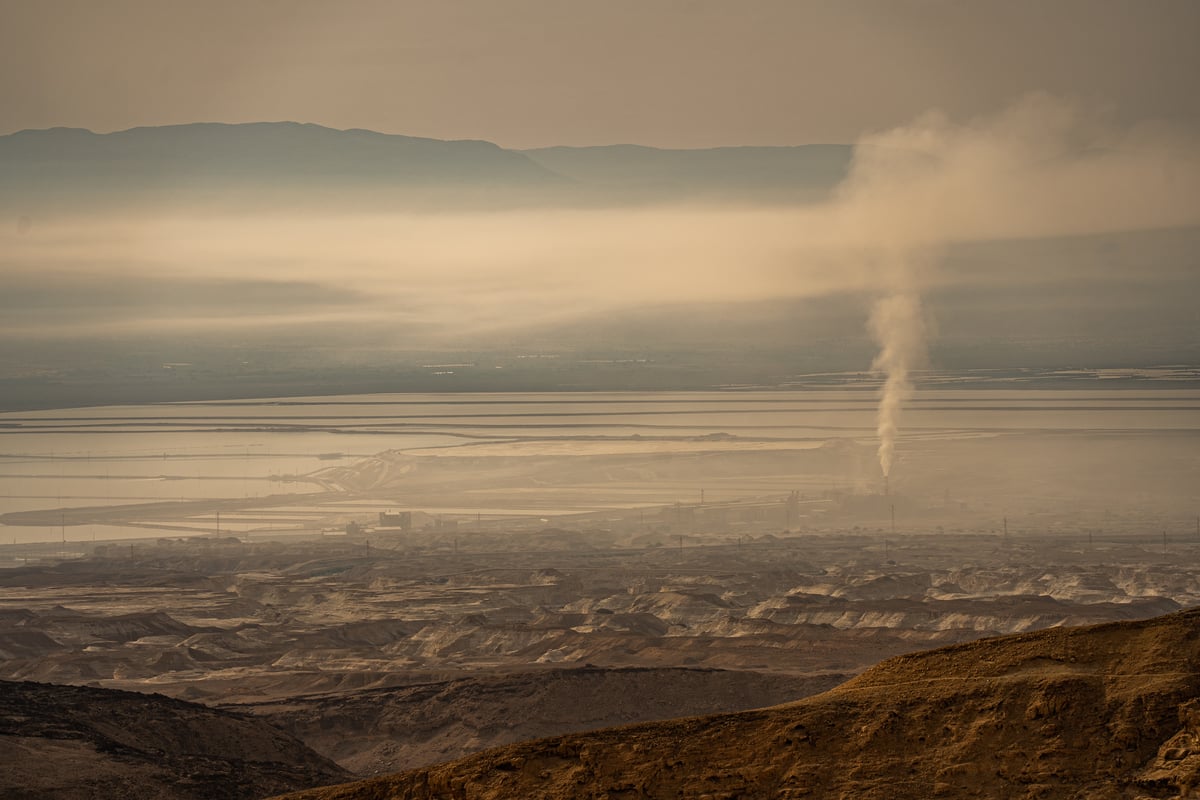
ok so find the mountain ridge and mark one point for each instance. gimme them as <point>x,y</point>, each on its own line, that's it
<point>185,160</point>
<point>254,153</point>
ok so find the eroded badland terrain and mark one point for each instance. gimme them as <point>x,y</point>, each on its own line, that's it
<point>308,661</point>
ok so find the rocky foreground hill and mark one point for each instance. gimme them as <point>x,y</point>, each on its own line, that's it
<point>1109,711</point>
<point>81,743</point>
<point>389,729</point>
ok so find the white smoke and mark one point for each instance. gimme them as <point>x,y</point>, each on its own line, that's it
<point>898,326</point>
<point>1040,168</point>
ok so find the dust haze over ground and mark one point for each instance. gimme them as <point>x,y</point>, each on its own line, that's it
<point>193,258</point>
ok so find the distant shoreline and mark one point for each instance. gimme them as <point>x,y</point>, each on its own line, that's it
<point>25,396</point>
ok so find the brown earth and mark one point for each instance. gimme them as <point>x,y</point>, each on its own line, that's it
<point>386,730</point>
<point>429,645</point>
<point>1105,712</point>
<point>81,743</point>
<point>222,621</point>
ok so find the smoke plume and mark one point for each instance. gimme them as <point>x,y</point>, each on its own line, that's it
<point>897,325</point>
<point>1041,168</point>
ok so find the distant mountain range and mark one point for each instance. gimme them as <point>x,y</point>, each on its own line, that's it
<point>198,159</point>
<point>786,170</point>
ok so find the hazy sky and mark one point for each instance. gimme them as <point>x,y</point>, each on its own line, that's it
<point>527,73</point>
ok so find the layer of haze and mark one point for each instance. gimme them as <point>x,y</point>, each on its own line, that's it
<point>1040,169</point>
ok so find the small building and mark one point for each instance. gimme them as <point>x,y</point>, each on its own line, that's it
<point>395,519</point>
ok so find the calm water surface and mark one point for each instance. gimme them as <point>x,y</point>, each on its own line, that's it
<point>236,449</point>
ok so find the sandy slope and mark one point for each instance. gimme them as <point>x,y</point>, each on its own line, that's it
<point>1110,711</point>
